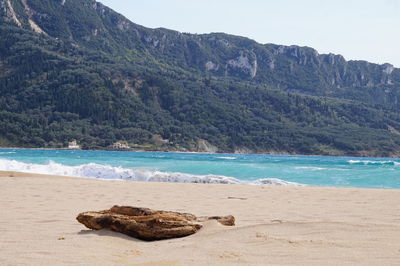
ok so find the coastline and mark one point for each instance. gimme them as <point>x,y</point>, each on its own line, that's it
<point>275,225</point>
<point>209,168</point>
<point>272,153</point>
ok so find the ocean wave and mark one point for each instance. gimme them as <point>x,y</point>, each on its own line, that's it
<point>312,168</point>
<point>227,158</point>
<point>7,152</point>
<point>367,162</point>
<point>275,182</point>
<point>99,171</point>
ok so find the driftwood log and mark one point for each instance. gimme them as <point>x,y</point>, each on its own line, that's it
<point>147,224</point>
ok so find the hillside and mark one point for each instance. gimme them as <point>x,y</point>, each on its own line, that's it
<point>75,69</point>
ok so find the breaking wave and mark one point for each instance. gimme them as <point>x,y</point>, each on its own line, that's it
<point>312,168</point>
<point>366,162</point>
<point>227,158</point>
<point>99,171</point>
<point>275,182</point>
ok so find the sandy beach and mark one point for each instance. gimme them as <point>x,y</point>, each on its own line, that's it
<point>275,225</point>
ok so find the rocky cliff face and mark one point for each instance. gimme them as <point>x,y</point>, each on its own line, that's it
<point>8,13</point>
<point>286,67</point>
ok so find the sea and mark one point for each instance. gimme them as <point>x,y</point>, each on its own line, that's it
<point>252,169</point>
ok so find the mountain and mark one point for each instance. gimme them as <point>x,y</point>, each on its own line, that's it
<point>75,69</point>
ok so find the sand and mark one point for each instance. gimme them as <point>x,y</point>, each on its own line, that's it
<point>275,225</point>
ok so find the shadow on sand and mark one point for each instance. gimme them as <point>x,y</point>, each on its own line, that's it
<point>107,233</point>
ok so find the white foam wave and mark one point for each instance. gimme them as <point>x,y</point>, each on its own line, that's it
<point>93,170</point>
<point>275,182</point>
<point>312,168</point>
<point>7,152</point>
<point>367,162</point>
<point>227,158</point>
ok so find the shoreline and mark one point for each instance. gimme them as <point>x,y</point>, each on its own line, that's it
<point>211,153</point>
<point>274,225</point>
<point>291,184</point>
<point>28,174</point>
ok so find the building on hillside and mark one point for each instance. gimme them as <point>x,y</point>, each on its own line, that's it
<point>73,145</point>
<point>120,145</point>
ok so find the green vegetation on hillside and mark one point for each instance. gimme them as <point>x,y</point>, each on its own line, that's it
<point>98,78</point>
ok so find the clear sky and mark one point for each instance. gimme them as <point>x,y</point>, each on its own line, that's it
<point>357,29</point>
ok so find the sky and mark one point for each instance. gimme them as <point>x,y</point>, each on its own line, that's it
<point>357,29</point>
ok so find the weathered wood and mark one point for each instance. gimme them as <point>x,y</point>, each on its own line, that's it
<point>224,220</point>
<point>147,224</point>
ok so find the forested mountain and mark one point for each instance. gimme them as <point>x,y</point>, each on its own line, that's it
<point>75,69</point>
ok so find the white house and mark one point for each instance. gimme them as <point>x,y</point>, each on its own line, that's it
<point>73,145</point>
<point>120,145</point>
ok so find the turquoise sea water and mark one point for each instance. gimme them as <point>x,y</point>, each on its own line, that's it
<point>208,168</point>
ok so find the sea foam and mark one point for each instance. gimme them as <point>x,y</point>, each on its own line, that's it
<point>312,168</point>
<point>369,162</point>
<point>227,158</point>
<point>100,171</point>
